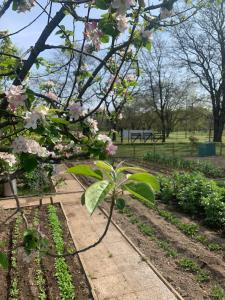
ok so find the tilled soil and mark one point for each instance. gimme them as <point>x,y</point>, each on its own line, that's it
<point>25,271</point>
<point>184,282</point>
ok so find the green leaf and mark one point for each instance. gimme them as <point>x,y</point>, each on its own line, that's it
<point>96,193</point>
<point>108,26</point>
<point>104,165</point>
<point>122,169</point>
<point>120,203</point>
<point>140,190</point>
<point>4,260</point>
<point>102,4</point>
<point>85,170</point>
<point>60,121</point>
<point>147,178</point>
<point>104,39</point>
<point>28,161</point>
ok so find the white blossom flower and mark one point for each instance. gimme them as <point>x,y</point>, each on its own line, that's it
<point>104,138</point>
<point>120,116</point>
<point>24,5</point>
<point>93,34</point>
<point>9,158</point>
<point>48,84</point>
<point>122,23</point>
<point>122,5</point>
<point>147,35</point>
<point>38,114</point>
<point>76,110</point>
<point>93,124</point>
<point>21,144</point>
<point>16,96</point>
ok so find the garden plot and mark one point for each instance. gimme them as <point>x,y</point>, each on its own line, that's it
<point>36,276</point>
<point>189,255</point>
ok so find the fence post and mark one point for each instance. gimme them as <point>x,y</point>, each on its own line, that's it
<point>154,148</point>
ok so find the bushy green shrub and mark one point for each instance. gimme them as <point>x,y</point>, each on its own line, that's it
<point>207,168</point>
<point>214,206</point>
<point>196,195</point>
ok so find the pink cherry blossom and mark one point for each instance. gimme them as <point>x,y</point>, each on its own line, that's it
<point>111,149</point>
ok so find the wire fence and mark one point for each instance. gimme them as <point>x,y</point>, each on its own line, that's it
<point>171,149</point>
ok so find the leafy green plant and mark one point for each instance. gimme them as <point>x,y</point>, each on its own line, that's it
<point>62,273</point>
<point>196,195</point>
<point>146,229</point>
<point>218,292</point>
<point>188,264</point>
<point>112,181</point>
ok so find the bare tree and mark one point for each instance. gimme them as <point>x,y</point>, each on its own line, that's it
<point>161,89</point>
<point>200,47</point>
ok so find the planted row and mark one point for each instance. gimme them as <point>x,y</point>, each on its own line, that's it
<point>186,264</point>
<point>195,195</point>
<point>204,167</point>
<point>62,273</point>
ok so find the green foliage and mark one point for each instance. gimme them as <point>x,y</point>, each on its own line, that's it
<point>85,170</point>
<point>196,195</point>
<point>140,185</point>
<point>147,178</point>
<point>64,278</point>
<point>4,260</point>
<point>140,190</point>
<point>218,292</point>
<point>204,167</point>
<point>146,229</point>
<point>188,264</point>
<point>96,193</point>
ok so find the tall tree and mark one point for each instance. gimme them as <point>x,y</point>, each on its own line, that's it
<point>162,90</point>
<point>200,47</point>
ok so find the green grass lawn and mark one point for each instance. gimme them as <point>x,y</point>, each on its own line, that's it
<point>176,145</point>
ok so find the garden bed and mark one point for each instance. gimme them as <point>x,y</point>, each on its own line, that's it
<point>35,276</point>
<point>189,255</point>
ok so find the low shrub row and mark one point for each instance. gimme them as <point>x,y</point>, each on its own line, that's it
<point>204,167</point>
<point>62,273</point>
<point>195,195</point>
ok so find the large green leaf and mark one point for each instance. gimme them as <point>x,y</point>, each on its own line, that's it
<point>96,193</point>
<point>85,170</point>
<point>104,165</point>
<point>140,190</point>
<point>4,260</point>
<point>147,178</point>
<point>126,169</point>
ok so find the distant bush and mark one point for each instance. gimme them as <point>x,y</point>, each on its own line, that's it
<point>204,167</point>
<point>195,195</point>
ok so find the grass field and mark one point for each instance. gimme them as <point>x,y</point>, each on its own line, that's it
<point>176,145</point>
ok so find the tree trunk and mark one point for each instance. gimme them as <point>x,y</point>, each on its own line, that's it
<point>163,131</point>
<point>218,125</point>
